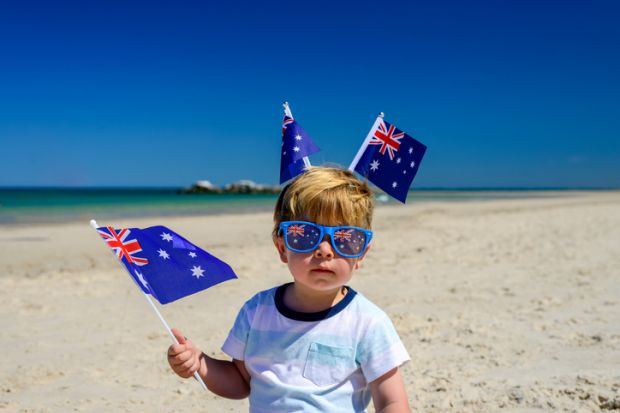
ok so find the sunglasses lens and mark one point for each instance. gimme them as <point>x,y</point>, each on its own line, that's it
<point>349,241</point>
<point>302,237</point>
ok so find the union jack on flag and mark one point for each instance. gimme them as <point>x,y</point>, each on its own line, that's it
<point>122,247</point>
<point>163,263</point>
<point>395,171</point>
<point>384,135</point>
<point>285,122</point>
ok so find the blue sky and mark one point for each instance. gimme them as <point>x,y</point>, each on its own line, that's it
<point>503,93</point>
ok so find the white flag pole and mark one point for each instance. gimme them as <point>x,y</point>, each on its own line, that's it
<point>94,224</point>
<point>365,143</point>
<point>287,112</point>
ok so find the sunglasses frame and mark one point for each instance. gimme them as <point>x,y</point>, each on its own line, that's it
<point>324,230</point>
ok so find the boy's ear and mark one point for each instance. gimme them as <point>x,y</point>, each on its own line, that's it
<point>358,263</point>
<point>279,244</point>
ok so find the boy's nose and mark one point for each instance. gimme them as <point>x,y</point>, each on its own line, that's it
<point>324,250</point>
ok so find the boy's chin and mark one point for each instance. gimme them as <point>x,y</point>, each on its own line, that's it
<point>322,282</point>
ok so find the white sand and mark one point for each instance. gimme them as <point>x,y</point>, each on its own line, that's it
<point>503,305</point>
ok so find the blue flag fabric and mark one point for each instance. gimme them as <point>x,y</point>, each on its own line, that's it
<point>163,263</point>
<point>296,144</point>
<point>390,159</point>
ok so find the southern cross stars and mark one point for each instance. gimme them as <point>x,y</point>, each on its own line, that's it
<point>192,254</point>
<point>163,254</point>
<point>165,236</point>
<point>197,271</point>
<point>298,137</point>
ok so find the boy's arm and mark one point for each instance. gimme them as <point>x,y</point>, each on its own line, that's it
<point>225,378</point>
<point>228,379</point>
<point>388,393</point>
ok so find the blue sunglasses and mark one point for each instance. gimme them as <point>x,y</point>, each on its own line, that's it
<point>303,236</point>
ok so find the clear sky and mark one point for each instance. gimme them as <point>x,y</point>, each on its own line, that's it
<point>120,93</point>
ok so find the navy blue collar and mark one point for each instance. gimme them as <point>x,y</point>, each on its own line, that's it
<point>319,315</point>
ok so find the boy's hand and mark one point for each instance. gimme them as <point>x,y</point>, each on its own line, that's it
<point>185,357</point>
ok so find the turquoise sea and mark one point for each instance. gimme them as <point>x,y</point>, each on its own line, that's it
<point>44,205</point>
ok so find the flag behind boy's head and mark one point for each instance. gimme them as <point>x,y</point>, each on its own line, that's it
<point>163,263</point>
<point>389,158</point>
<point>296,145</point>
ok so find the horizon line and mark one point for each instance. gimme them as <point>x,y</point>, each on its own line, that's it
<point>425,188</point>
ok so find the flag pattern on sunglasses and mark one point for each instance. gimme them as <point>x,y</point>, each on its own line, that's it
<point>342,234</point>
<point>168,267</point>
<point>303,236</point>
<point>348,242</point>
<point>296,230</point>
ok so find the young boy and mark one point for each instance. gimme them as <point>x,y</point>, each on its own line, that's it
<point>315,344</point>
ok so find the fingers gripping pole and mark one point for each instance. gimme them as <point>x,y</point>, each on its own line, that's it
<point>163,321</point>
<point>94,225</point>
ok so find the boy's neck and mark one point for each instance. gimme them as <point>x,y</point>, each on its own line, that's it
<point>304,300</point>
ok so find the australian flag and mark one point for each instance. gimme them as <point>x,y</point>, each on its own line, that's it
<point>163,263</point>
<point>389,158</point>
<point>296,144</point>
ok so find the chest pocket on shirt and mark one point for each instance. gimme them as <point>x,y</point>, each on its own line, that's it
<point>327,365</point>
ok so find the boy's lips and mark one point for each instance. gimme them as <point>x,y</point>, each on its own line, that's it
<point>323,270</point>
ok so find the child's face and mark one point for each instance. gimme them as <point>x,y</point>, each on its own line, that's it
<point>320,270</point>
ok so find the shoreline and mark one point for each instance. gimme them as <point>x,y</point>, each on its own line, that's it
<point>42,215</point>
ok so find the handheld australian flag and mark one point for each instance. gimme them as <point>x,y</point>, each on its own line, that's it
<point>163,263</point>
<point>296,146</point>
<point>389,158</point>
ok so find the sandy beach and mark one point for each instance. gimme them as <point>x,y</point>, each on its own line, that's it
<point>505,305</point>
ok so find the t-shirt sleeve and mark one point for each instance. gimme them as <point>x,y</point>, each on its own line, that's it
<point>237,338</point>
<point>381,349</point>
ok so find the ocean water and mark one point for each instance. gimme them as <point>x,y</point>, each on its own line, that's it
<point>45,205</point>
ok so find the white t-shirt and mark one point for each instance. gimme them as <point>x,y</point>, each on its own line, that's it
<point>313,362</point>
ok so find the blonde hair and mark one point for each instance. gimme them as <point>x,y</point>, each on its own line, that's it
<point>327,196</point>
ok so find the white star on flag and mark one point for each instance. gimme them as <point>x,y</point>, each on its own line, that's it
<point>412,164</point>
<point>197,271</point>
<point>141,278</point>
<point>296,148</point>
<point>298,137</point>
<point>394,184</point>
<point>166,237</point>
<point>163,254</point>
<point>398,160</point>
<point>192,254</point>
<point>410,150</point>
<point>374,165</point>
